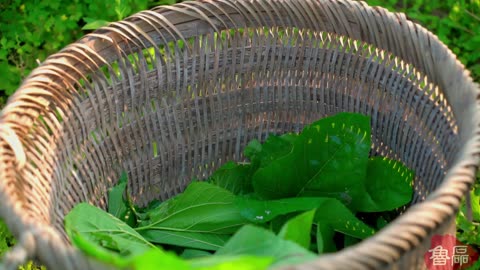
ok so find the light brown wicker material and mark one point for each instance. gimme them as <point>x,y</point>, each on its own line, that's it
<point>203,92</point>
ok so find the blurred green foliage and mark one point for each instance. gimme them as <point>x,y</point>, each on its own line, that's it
<point>32,30</point>
<point>468,231</point>
<point>6,238</point>
<point>455,22</point>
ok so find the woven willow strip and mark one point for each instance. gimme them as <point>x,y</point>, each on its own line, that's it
<point>172,93</point>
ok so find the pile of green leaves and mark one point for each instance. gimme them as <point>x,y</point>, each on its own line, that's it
<point>298,196</point>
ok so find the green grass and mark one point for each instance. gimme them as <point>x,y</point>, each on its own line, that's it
<point>31,30</point>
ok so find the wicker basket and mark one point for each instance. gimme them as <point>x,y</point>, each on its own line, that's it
<point>172,93</point>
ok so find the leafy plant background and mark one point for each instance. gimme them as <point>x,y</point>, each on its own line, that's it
<point>31,30</point>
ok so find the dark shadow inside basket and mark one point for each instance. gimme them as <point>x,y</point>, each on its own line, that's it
<point>195,105</point>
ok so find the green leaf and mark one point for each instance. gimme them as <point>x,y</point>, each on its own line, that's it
<point>108,239</point>
<point>475,203</point>
<point>273,148</point>
<point>276,224</point>
<point>389,185</point>
<point>467,231</point>
<point>194,253</point>
<point>100,233</point>
<point>253,150</point>
<point>233,177</point>
<point>142,212</point>
<point>201,208</point>
<point>252,240</point>
<point>330,211</point>
<point>94,25</point>
<point>121,9</point>
<point>94,249</point>
<point>341,219</point>
<point>258,211</point>
<point>289,137</point>
<point>10,77</point>
<point>474,266</point>
<point>381,222</point>
<point>231,263</point>
<point>117,205</point>
<point>155,259</point>
<point>6,238</point>
<point>325,242</point>
<point>298,229</point>
<point>350,241</point>
<point>152,205</point>
<point>327,159</point>
<point>206,241</point>
<point>464,224</point>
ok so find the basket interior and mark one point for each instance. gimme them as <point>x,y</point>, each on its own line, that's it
<point>171,112</point>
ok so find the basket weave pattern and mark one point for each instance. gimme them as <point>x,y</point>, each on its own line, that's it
<point>172,93</point>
